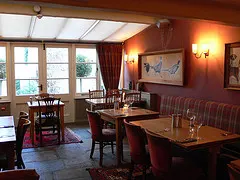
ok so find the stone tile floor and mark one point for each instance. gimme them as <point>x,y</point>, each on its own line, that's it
<point>69,161</point>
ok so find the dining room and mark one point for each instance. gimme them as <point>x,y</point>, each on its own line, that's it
<point>170,59</point>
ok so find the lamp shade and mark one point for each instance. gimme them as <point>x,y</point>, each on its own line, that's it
<point>194,48</point>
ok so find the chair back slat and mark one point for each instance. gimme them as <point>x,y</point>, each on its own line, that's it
<point>51,113</point>
<point>23,125</point>
<point>96,93</point>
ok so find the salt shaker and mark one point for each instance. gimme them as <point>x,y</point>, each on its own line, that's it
<point>179,117</point>
<point>174,121</point>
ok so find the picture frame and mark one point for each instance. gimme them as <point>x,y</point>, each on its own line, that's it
<point>162,67</point>
<point>232,66</point>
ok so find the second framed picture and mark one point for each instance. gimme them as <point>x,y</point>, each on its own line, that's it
<point>162,67</point>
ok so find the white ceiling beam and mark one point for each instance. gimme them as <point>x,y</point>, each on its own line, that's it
<point>115,31</point>
<point>31,26</point>
<point>90,29</point>
<point>61,28</point>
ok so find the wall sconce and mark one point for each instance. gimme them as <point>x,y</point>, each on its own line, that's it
<point>129,59</point>
<point>205,50</point>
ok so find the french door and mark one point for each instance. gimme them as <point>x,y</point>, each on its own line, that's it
<point>40,68</point>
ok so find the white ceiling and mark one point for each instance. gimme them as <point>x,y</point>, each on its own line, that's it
<point>26,27</point>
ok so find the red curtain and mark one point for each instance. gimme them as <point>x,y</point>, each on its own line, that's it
<point>110,60</point>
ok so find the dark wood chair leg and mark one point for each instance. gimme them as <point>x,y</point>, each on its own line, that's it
<point>22,163</point>
<point>144,172</point>
<point>112,147</point>
<point>93,147</point>
<point>59,135</point>
<point>131,170</point>
<point>101,153</point>
<point>122,149</point>
<point>40,134</point>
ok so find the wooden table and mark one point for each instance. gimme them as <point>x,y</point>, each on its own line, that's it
<point>7,139</point>
<point>96,102</point>
<point>117,117</point>
<point>211,138</point>
<point>33,108</point>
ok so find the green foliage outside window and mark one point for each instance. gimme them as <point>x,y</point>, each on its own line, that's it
<point>82,70</point>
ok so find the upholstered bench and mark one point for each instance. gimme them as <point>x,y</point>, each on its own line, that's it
<point>215,114</point>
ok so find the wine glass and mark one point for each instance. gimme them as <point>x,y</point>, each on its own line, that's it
<point>131,101</point>
<point>198,124</point>
<point>191,115</point>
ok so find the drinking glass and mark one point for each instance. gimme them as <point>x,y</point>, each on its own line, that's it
<point>198,124</point>
<point>191,115</point>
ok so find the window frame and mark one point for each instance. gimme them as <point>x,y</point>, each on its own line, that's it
<point>8,77</point>
<point>98,77</point>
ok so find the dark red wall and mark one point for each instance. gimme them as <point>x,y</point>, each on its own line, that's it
<point>204,78</point>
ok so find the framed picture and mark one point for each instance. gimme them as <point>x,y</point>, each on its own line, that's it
<point>162,67</point>
<point>232,66</point>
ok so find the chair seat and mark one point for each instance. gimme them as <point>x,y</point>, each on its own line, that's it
<point>108,134</point>
<point>48,123</point>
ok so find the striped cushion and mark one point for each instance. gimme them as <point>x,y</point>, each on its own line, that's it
<point>219,115</point>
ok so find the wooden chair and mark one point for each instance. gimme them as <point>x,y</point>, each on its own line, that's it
<point>41,95</point>
<point>135,97</point>
<point>99,135</point>
<point>164,166</point>
<point>49,118</point>
<point>137,147</point>
<point>23,125</point>
<point>24,174</point>
<point>96,93</point>
<point>111,96</point>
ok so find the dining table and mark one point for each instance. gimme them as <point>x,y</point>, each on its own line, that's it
<point>130,114</point>
<point>7,139</point>
<point>33,107</point>
<point>209,137</point>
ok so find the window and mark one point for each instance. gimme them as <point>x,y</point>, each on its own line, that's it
<point>57,70</point>
<point>87,75</point>
<point>26,70</point>
<point>3,75</point>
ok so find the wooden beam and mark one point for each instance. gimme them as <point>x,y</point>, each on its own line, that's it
<point>205,10</point>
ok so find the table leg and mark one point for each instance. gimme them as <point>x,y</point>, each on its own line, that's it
<point>62,121</point>
<point>10,155</point>
<point>212,162</point>
<point>31,118</point>
<point>118,141</point>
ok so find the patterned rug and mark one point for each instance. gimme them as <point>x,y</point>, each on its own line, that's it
<point>70,137</point>
<point>117,173</point>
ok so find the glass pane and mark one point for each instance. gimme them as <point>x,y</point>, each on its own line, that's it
<point>59,86</point>
<point>26,87</point>
<point>57,71</point>
<point>83,85</point>
<point>26,71</point>
<point>3,87</point>
<point>26,54</point>
<point>2,54</point>
<point>86,55</point>
<point>57,55</point>
<point>85,70</point>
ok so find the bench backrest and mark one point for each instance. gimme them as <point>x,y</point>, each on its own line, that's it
<point>215,114</point>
